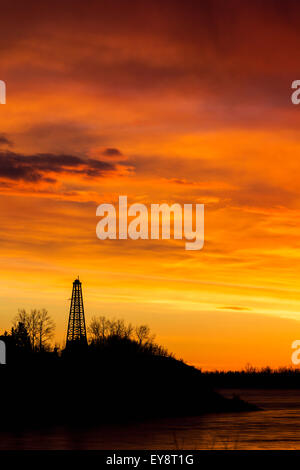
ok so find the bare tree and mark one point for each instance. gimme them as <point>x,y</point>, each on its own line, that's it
<point>99,328</point>
<point>21,317</point>
<point>45,329</point>
<point>30,322</point>
<point>33,327</point>
<point>38,324</point>
<point>128,331</point>
<point>102,329</point>
<point>143,334</point>
<point>120,329</point>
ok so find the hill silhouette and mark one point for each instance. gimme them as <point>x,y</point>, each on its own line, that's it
<point>114,378</point>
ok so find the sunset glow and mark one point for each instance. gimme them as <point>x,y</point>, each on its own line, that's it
<point>163,104</point>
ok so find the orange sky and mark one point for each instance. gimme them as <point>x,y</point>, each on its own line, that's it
<point>167,101</point>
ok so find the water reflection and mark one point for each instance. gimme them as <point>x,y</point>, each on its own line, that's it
<point>276,427</point>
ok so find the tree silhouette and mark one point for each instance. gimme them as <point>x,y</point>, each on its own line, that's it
<point>45,329</point>
<point>120,329</point>
<point>38,325</point>
<point>117,334</point>
<point>99,328</point>
<point>20,337</point>
<point>143,334</point>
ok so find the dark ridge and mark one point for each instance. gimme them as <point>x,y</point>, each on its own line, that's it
<point>265,378</point>
<point>114,379</point>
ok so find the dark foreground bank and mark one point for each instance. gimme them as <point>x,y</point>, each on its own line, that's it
<point>94,385</point>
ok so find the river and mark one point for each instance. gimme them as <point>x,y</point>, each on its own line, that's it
<point>277,426</point>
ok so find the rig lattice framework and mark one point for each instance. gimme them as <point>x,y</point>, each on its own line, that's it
<point>76,326</point>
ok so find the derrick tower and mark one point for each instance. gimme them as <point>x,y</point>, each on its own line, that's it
<point>76,327</point>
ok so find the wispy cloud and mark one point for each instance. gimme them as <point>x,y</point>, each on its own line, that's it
<point>234,307</point>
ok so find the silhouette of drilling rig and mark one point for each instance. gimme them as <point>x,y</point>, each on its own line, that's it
<point>76,334</point>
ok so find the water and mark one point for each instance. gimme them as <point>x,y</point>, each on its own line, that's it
<point>276,427</point>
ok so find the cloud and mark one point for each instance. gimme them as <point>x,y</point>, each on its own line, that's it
<point>65,135</point>
<point>37,167</point>
<point>4,140</point>
<point>111,152</point>
<point>234,307</point>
